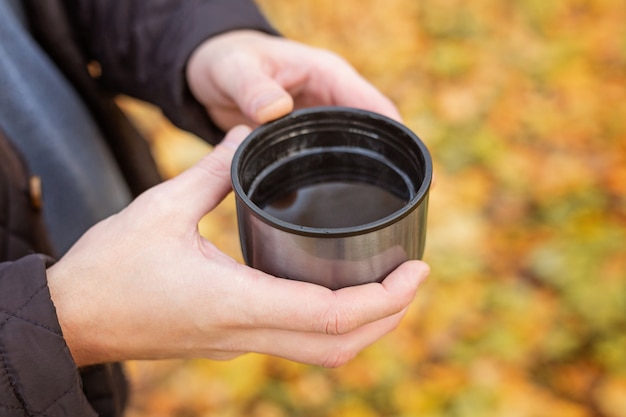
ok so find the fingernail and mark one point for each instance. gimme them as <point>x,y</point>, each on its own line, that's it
<point>272,105</point>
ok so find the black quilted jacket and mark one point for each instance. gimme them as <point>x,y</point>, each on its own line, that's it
<point>143,54</point>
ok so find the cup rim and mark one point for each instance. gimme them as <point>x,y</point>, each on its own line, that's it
<point>420,195</point>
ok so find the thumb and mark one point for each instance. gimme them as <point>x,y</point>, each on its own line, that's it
<point>260,97</point>
<point>202,187</point>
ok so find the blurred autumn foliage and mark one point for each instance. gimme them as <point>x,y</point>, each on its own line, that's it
<point>523,105</point>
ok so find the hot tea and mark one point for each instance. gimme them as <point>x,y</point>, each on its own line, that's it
<point>334,204</point>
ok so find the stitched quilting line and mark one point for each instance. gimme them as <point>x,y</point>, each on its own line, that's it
<point>21,400</point>
<point>57,399</point>
<point>16,312</point>
<point>3,357</point>
<point>10,378</point>
<point>43,413</point>
<point>32,323</point>
<point>10,407</point>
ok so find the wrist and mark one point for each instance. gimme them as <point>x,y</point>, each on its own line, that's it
<point>73,318</point>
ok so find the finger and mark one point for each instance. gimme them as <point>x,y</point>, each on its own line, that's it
<point>314,348</point>
<point>346,87</point>
<point>257,94</point>
<point>266,100</point>
<point>360,94</point>
<point>298,306</point>
<point>202,187</point>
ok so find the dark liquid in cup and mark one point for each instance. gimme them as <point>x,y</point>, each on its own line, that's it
<point>334,204</point>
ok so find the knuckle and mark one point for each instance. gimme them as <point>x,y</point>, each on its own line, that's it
<point>338,321</point>
<point>159,201</point>
<point>215,167</point>
<point>331,323</point>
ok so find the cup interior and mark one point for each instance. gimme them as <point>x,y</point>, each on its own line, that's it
<point>345,168</point>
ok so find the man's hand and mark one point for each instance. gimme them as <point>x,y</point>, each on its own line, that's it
<point>143,284</point>
<point>250,77</point>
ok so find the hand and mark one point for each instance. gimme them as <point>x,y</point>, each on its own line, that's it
<point>143,284</point>
<point>250,77</point>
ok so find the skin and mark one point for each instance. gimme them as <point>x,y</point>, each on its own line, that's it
<point>273,77</point>
<point>143,284</point>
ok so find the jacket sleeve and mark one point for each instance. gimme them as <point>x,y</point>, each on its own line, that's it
<point>143,46</point>
<point>37,373</point>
